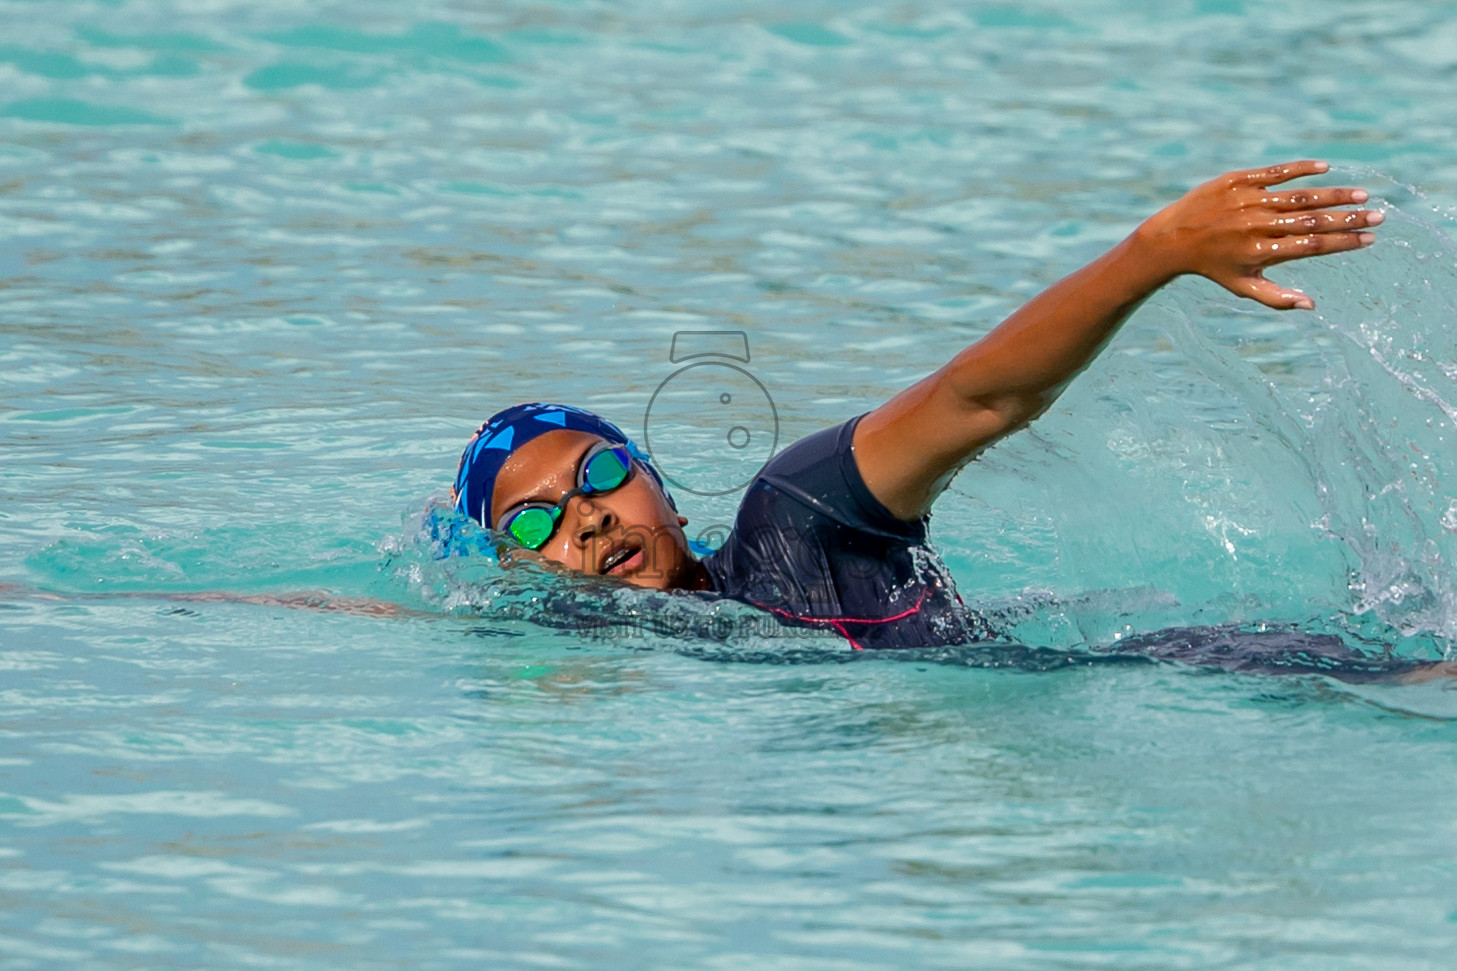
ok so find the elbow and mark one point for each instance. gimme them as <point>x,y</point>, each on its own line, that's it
<point>1001,415</point>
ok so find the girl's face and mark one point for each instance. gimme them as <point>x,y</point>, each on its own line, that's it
<point>631,532</point>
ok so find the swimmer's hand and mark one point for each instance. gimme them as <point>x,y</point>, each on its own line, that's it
<point>1231,229</point>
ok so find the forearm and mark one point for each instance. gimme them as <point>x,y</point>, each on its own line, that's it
<point>1027,360</point>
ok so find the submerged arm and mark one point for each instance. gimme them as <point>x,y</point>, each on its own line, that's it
<point>320,602</point>
<point>1229,230</point>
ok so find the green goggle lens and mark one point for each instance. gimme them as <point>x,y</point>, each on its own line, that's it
<point>533,527</point>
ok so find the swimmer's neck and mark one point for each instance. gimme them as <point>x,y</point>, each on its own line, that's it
<point>697,576</point>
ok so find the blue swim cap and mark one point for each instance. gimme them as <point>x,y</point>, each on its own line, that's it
<point>508,430</point>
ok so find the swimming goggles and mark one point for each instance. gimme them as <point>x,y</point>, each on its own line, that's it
<point>605,467</point>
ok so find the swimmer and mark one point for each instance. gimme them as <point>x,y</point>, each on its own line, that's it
<point>831,533</point>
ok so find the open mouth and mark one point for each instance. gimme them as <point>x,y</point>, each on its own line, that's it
<point>621,559</point>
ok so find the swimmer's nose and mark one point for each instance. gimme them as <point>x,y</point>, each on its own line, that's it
<point>592,520</point>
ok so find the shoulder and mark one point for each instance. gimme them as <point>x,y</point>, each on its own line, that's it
<point>810,453</point>
<point>806,500</point>
<point>820,470</point>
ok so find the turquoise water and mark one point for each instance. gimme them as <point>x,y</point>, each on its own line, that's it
<point>266,266</point>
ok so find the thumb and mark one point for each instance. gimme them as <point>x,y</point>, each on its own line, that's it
<point>1256,287</point>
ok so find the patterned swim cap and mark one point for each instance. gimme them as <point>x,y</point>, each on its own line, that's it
<point>508,430</point>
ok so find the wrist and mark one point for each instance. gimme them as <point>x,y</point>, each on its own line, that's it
<point>1157,251</point>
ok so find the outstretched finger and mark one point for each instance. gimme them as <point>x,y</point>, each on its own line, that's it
<point>1329,221</point>
<point>1298,199</point>
<point>1276,174</point>
<point>1317,244</point>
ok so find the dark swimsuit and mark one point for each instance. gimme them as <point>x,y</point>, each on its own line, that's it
<point>812,545</point>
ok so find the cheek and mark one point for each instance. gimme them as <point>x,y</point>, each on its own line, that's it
<point>563,551</point>
<point>639,504</point>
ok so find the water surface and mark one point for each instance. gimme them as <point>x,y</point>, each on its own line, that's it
<point>266,266</point>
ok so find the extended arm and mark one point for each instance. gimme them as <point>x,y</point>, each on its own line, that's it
<point>1229,230</point>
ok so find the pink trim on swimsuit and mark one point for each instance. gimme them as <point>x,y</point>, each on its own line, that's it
<point>838,623</point>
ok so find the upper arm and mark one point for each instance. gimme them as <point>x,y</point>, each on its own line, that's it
<point>909,449</point>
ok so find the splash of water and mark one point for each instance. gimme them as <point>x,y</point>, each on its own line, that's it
<point>1371,438</point>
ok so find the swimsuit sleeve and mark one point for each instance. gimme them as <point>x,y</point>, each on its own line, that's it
<point>871,510</point>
